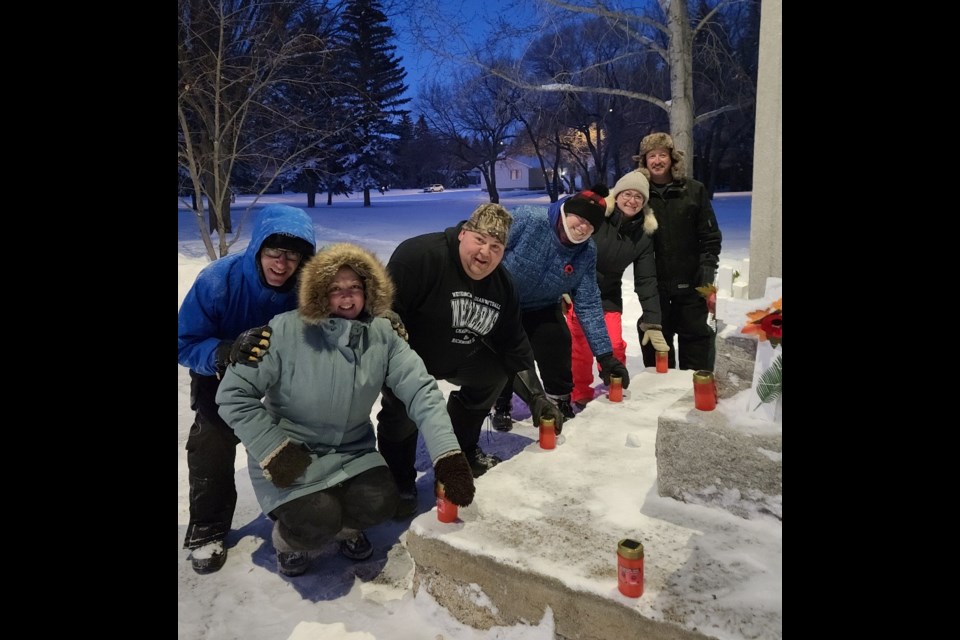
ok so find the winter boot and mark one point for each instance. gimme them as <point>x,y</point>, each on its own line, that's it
<point>292,563</point>
<point>481,462</point>
<point>407,505</point>
<point>209,558</point>
<point>501,416</point>
<point>563,403</point>
<point>357,547</point>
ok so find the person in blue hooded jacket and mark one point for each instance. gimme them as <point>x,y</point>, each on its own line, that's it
<point>549,253</point>
<point>221,321</point>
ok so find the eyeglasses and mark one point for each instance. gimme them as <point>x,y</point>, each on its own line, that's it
<point>631,195</point>
<point>292,256</point>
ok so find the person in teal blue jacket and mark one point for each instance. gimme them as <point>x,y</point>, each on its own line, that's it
<point>310,441</point>
<point>550,253</point>
<point>221,321</point>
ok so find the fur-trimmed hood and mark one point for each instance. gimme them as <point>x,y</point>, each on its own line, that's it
<point>318,273</point>
<point>678,168</point>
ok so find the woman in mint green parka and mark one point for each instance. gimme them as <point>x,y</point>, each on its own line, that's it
<point>310,442</point>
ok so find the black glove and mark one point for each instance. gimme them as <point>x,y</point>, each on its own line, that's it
<point>541,407</point>
<point>251,346</point>
<point>610,366</point>
<point>396,323</point>
<point>706,275</point>
<point>454,473</point>
<point>223,356</point>
<point>286,464</point>
<point>248,349</point>
<point>527,385</point>
<point>708,270</point>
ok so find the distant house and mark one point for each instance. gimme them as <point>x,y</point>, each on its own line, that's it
<point>518,172</point>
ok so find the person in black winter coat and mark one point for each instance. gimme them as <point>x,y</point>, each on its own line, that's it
<point>625,238</point>
<point>687,245</point>
<point>461,311</point>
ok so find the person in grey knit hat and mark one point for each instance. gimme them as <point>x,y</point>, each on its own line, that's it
<point>625,237</point>
<point>687,246</point>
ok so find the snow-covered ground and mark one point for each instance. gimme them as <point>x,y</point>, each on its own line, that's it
<point>372,600</point>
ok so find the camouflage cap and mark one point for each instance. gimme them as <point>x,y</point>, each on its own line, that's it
<point>491,219</point>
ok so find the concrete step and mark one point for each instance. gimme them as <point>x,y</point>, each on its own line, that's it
<point>543,530</point>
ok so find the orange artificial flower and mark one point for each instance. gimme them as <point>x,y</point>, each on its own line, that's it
<point>767,323</point>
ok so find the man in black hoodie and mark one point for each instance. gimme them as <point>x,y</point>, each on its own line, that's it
<point>462,314</point>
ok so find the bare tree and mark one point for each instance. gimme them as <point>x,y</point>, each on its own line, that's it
<point>666,31</point>
<point>240,67</point>
<point>474,117</point>
<point>537,113</point>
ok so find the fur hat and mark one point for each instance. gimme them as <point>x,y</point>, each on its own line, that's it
<point>320,271</point>
<point>590,204</point>
<point>662,141</point>
<point>289,243</point>
<point>491,219</point>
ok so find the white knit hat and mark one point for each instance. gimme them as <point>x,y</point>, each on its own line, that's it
<point>635,180</point>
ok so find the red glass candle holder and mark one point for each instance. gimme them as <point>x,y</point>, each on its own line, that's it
<point>704,391</point>
<point>446,510</point>
<point>615,393</point>
<point>548,433</point>
<point>662,360</point>
<point>630,568</point>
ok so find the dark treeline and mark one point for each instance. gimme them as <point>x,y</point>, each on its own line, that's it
<point>308,95</point>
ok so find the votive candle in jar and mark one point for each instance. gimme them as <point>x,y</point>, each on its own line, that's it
<point>615,393</point>
<point>704,391</point>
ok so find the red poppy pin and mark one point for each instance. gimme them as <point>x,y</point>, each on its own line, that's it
<point>568,269</point>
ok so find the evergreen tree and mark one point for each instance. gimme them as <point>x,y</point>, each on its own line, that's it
<point>406,165</point>
<point>428,155</point>
<point>374,80</point>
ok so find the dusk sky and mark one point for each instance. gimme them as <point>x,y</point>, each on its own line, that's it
<point>463,20</point>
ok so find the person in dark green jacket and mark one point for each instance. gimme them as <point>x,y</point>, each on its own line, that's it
<point>687,245</point>
<point>310,442</point>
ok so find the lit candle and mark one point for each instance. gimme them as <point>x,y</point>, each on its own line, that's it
<point>446,510</point>
<point>704,391</point>
<point>662,358</point>
<point>548,433</point>
<point>615,394</point>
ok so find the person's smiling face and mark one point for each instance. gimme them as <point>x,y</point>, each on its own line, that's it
<point>278,265</point>
<point>345,294</point>
<point>480,253</point>
<point>630,202</point>
<point>659,163</point>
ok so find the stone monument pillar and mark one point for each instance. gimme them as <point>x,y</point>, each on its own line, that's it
<point>766,214</point>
